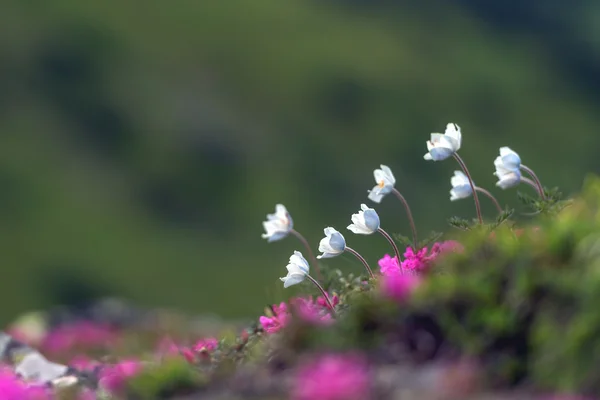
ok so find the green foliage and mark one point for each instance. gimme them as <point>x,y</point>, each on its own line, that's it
<point>528,304</point>
<point>172,377</point>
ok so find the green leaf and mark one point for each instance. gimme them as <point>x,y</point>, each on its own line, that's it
<point>460,223</point>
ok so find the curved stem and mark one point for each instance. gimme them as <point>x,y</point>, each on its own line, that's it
<point>540,188</point>
<point>530,183</point>
<point>410,218</point>
<point>362,260</point>
<point>313,280</point>
<point>488,194</point>
<point>475,197</point>
<point>313,259</point>
<point>389,239</point>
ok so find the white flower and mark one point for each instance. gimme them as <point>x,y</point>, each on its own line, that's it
<point>507,160</point>
<point>333,244</point>
<point>297,270</point>
<point>461,188</point>
<point>508,165</point>
<point>364,222</point>
<point>508,179</point>
<point>443,146</point>
<point>278,225</point>
<point>385,183</point>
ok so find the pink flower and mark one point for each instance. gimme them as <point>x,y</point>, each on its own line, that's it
<point>113,377</point>
<point>12,388</point>
<point>389,265</point>
<point>311,311</point>
<point>206,345</point>
<point>420,261</point>
<point>335,300</point>
<point>399,287</point>
<point>332,377</point>
<point>414,261</point>
<point>275,323</point>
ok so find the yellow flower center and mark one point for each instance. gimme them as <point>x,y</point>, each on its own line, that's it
<point>381,184</point>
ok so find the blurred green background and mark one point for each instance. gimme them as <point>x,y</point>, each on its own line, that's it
<point>143,143</point>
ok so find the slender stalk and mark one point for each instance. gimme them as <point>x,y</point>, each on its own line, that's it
<point>488,194</point>
<point>362,260</point>
<point>410,218</point>
<point>540,188</point>
<point>530,183</point>
<point>311,255</point>
<point>389,239</point>
<point>313,280</point>
<point>475,197</point>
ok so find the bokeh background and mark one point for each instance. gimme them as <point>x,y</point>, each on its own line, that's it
<point>142,143</point>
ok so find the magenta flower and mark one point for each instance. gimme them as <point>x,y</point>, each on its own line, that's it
<point>114,377</point>
<point>399,287</point>
<point>414,262</point>
<point>335,300</point>
<point>277,321</point>
<point>389,265</point>
<point>206,345</point>
<point>311,311</point>
<point>421,260</point>
<point>332,377</point>
<point>12,388</point>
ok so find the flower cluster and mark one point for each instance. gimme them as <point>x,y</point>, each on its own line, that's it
<point>333,377</point>
<point>310,310</point>
<point>417,258</point>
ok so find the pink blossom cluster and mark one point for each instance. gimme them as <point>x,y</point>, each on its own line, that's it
<point>332,377</point>
<point>13,388</point>
<point>417,262</point>
<point>79,335</point>
<point>310,310</point>
<point>201,349</point>
<point>114,377</point>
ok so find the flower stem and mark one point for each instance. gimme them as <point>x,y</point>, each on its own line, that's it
<point>539,186</point>
<point>362,260</point>
<point>530,183</point>
<point>389,239</point>
<point>475,197</point>
<point>410,218</point>
<point>311,255</point>
<point>313,280</point>
<point>488,194</point>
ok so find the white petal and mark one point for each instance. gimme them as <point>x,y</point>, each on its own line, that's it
<point>298,260</point>
<point>329,231</point>
<point>440,153</point>
<point>328,255</point>
<point>358,229</point>
<point>371,220</point>
<point>427,157</point>
<point>435,138</point>
<point>337,242</point>
<point>453,131</point>
<point>375,195</point>
<point>292,279</point>
<point>459,179</point>
<point>389,176</point>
